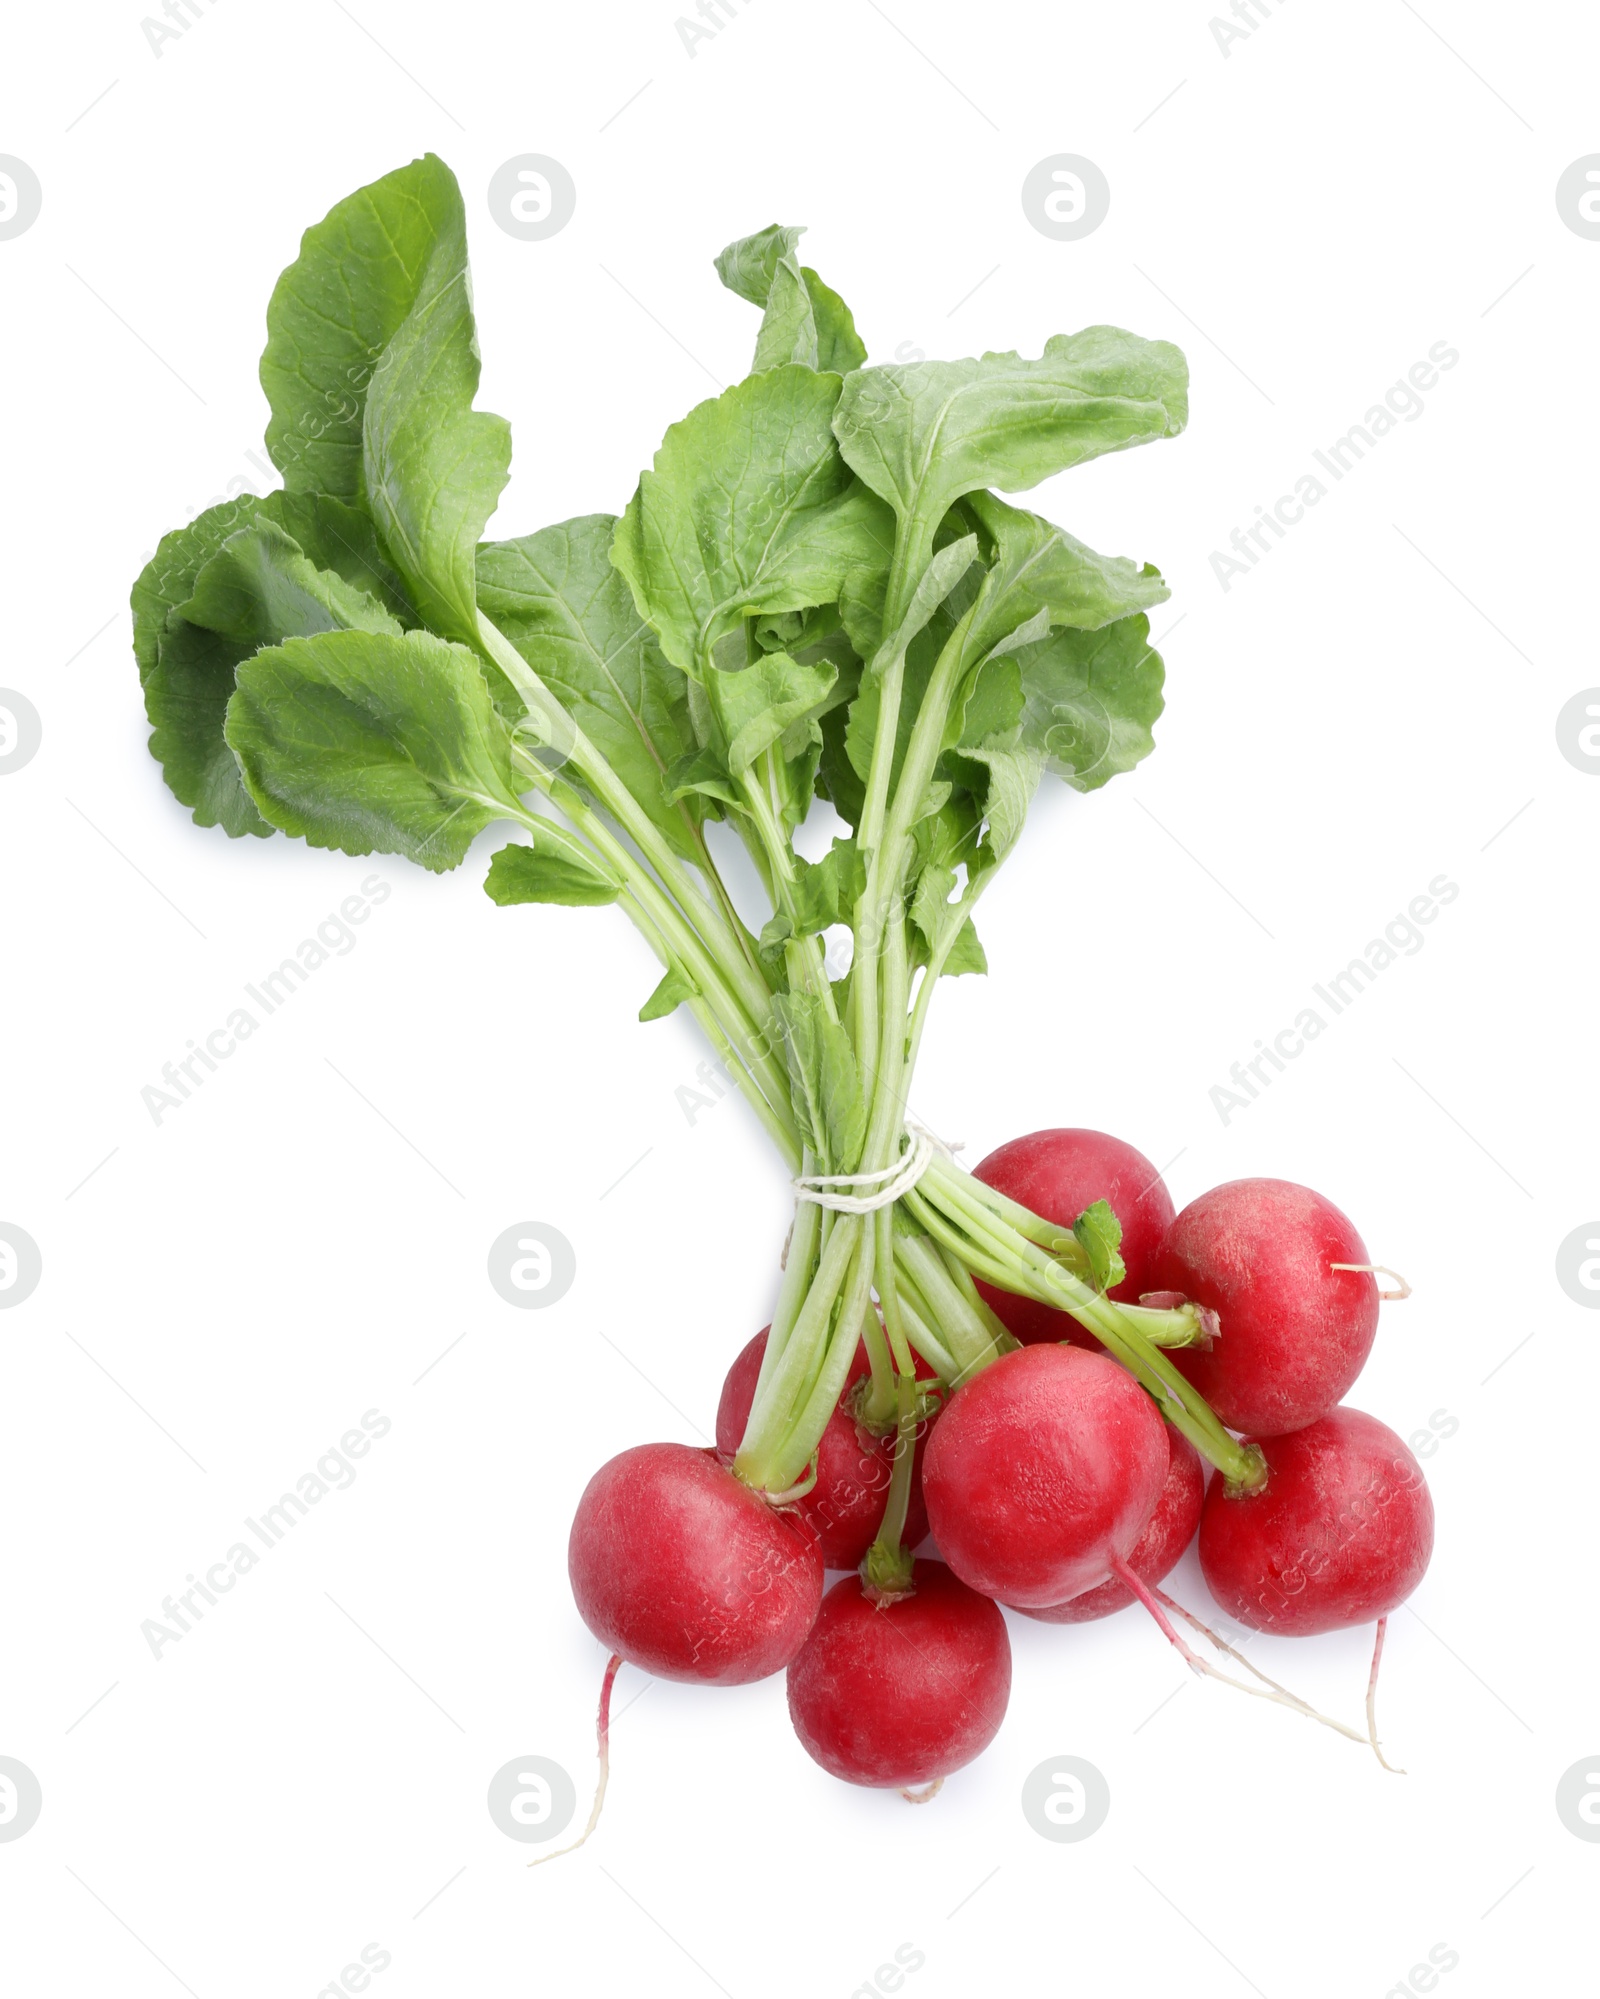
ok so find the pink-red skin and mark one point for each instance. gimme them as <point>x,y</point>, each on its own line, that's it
<point>1295,1331</point>
<point>1040,1470</point>
<point>846,1504</point>
<point>689,1574</point>
<point>1058,1174</point>
<point>1155,1554</point>
<point>1340,1533</point>
<point>897,1694</point>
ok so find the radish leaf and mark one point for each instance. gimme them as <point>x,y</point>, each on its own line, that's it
<point>748,511</point>
<point>366,742</point>
<point>567,610</point>
<point>1090,699</point>
<point>758,703</point>
<point>187,674</point>
<point>804,321</point>
<point>921,436</point>
<point>1035,567</point>
<point>669,995</point>
<point>259,589</point>
<point>551,868</point>
<point>433,466</point>
<point>334,311</point>
<point>825,1082</point>
<point>1099,1235</point>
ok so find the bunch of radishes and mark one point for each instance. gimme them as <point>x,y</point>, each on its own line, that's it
<point>815,592</point>
<point>1049,1481</point>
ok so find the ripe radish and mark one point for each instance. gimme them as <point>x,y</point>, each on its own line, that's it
<point>1340,1533</point>
<point>1041,1472</point>
<point>1167,1533</point>
<point>853,1466</point>
<point>900,1691</point>
<point>1058,1174</point>
<point>681,1569</point>
<point>1296,1329</point>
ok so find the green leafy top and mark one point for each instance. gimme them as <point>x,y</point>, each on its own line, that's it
<point>748,511</point>
<point>924,435</point>
<point>813,591</point>
<point>802,319</point>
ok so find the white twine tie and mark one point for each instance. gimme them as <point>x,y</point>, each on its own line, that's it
<point>888,1182</point>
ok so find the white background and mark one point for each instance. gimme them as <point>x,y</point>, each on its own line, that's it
<point>305,1772</point>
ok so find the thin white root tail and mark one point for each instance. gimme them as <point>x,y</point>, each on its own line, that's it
<point>602,1729</point>
<point>1269,1690</point>
<point>1372,1700</point>
<point>1379,1270</point>
<point>926,1795</point>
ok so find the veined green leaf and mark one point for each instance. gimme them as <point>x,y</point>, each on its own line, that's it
<point>967,955</point>
<point>748,511</point>
<point>804,321</point>
<point>1014,774</point>
<point>830,1111</point>
<point>823,893</point>
<point>1090,700</point>
<point>1099,1235</point>
<point>669,995</point>
<point>551,867</point>
<point>364,741</point>
<point>922,436</point>
<point>248,573</point>
<point>1037,568</point>
<point>827,891</point>
<point>187,674</point>
<point>259,589</point>
<point>167,579</point>
<point>944,571</point>
<point>434,467</point>
<point>186,698</point>
<point>990,703</point>
<point>701,774</point>
<point>944,927</point>
<point>334,311</point>
<point>758,703</point>
<point>334,534</point>
<point>567,610</point>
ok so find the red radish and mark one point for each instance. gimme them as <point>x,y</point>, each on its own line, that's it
<point>1041,1472</point>
<point>853,1467</point>
<point>1058,1174</point>
<point>1154,1555</point>
<point>1340,1533</point>
<point>903,1690</point>
<point>1296,1329</point>
<point>683,1570</point>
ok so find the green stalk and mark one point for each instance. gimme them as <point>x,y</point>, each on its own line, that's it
<point>755,1039</point>
<point>888,1566</point>
<point>970,1342</point>
<point>854,1306</point>
<point>1182,1405</point>
<point>1015,1264</point>
<point>693,903</point>
<point>798,1270</point>
<point>773,1415</point>
<point>920,1321</point>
